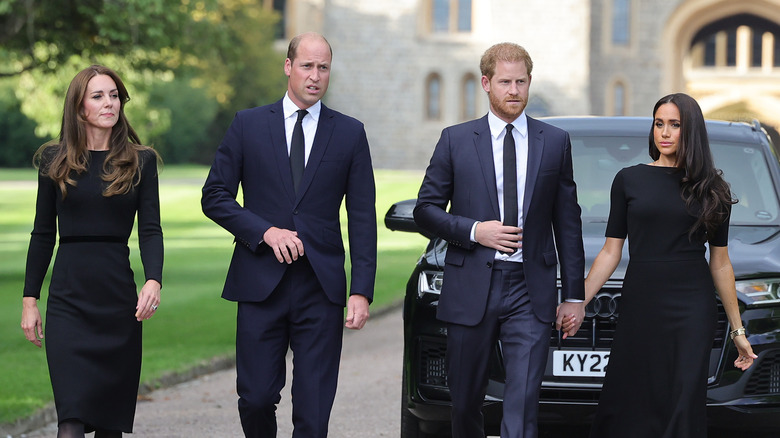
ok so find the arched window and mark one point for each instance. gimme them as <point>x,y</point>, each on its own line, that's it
<point>469,98</point>
<point>433,97</point>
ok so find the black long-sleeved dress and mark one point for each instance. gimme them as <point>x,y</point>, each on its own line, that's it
<point>93,340</point>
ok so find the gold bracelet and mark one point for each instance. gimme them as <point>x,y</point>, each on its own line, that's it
<point>737,332</point>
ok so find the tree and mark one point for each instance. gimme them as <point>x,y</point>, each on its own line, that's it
<point>219,52</point>
<point>240,67</point>
<point>18,141</point>
<point>42,34</point>
<point>188,135</point>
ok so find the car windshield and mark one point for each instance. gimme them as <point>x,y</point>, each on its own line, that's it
<point>598,159</point>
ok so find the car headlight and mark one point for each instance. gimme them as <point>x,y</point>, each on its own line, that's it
<point>759,292</point>
<point>429,282</point>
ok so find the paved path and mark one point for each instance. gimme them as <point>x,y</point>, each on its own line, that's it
<point>367,402</point>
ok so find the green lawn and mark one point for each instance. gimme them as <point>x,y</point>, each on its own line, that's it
<point>193,323</point>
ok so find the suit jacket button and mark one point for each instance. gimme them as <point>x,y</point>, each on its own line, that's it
<point>295,211</point>
<point>489,264</point>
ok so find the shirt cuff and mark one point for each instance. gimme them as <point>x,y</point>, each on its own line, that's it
<point>473,235</point>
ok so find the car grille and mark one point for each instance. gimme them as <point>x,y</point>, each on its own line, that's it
<point>765,380</point>
<point>601,316</point>
<point>432,371</point>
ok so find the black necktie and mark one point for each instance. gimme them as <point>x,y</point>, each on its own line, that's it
<point>297,151</point>
<point>510,179</point>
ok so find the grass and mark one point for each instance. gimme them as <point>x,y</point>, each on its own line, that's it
<point>193,324</point>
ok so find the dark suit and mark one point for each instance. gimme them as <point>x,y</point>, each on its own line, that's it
<point>461,174</point>
<point>281,304</point>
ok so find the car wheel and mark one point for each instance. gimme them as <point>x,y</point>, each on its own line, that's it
<point>410,425</point>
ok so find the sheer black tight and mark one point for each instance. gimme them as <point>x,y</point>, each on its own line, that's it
<point>70,429</point>
<point>75,429</point>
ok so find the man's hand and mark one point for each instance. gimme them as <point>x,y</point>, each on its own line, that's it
<point>498,236</point>
<point>570,317</point>
<point>285,243</point>
<point>357,312</point>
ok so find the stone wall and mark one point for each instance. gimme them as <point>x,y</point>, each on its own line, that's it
<point>383,54</point>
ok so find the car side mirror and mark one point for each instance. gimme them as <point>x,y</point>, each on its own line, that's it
<point>400,217</point>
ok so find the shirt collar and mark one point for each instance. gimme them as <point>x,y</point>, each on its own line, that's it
<point>290,108</point>
<point>520,124</point>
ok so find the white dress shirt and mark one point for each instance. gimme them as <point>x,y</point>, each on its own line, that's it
<point>520,135</point>
<point>309,124</point>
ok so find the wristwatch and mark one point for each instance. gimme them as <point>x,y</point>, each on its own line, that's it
<point>736,332</point>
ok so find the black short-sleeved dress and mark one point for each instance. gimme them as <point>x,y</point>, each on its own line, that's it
<point>92,338</point>
<point>656,382</point>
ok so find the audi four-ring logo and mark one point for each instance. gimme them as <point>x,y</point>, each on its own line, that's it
<point>603,305</point>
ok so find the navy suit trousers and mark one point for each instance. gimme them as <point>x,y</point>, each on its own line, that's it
<point>524,338</point>
<point>297,315</point>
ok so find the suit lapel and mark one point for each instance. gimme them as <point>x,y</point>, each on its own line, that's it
<point>321,140</point>
<point>484,145</point>
<point>279,146</point>
<point>535,152</point>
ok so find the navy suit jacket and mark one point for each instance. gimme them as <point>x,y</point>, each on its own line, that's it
<point>461,174</point>
<point>254,154</point>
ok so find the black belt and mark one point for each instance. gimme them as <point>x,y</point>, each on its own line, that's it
<point>87,239</point>
<point>506,265</point>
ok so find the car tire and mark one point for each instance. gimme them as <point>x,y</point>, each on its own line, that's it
<point>410,425</point>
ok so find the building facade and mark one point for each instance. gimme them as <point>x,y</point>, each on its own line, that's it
<point>409,68</point>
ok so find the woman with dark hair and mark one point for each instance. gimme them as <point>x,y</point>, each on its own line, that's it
<point>656,383</point>
<point>91,184</point>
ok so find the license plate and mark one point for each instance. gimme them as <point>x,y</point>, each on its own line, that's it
<point>569,363</point>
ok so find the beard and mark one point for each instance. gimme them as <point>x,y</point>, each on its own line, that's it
<point>504,110</point>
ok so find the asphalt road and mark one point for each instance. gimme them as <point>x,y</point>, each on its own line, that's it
<point>367,401</point>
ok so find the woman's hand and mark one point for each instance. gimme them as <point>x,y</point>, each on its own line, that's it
<point>746,355</point>
<point>31,321</point>
<point>148,300</point>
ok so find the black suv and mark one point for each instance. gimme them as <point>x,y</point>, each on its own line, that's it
<point>601,146</point>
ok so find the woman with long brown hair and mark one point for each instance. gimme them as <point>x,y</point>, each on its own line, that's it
<point>656,383</point>
<point>92,183</point>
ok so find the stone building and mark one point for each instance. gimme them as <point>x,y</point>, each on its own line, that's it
<point>408,68</point>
